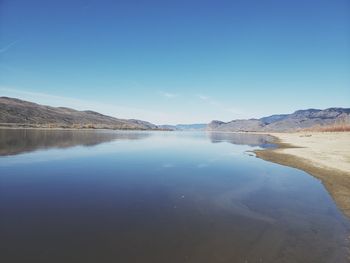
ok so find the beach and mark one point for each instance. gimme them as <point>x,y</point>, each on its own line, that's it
<point>326,156</point>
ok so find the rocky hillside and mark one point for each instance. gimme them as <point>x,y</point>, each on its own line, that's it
<point>299,120</point>
<point>19,113</point>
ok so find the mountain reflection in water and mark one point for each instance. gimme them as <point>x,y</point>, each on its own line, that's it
<point>16,141</point>
<point>155,197</point>
<point>261,140</point>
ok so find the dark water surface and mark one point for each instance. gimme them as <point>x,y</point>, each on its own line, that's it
<point>104,196</point>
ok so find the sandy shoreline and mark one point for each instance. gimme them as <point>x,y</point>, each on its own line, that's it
<point>323,155</point>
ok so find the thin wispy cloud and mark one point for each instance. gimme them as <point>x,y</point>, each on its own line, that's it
<point>7,47</point>
<point>209,100</point>
<point>86,6</point>
<point>237,113</point>
<point>168,95</point>
<point>202,97</point>
<point>168,165</point>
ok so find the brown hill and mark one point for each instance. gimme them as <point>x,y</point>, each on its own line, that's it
<point>19,113</point>
<point>331,118</point>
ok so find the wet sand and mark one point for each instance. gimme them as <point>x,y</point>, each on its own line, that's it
<point>324,155</point>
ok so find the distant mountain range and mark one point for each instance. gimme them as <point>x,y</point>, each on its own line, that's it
<point>299,120</point>
<point>19,113</point>
<point>185,127</point>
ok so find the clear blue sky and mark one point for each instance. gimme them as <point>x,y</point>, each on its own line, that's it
<point>177,61</point>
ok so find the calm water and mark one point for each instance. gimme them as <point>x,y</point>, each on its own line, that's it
<point>103,196</point>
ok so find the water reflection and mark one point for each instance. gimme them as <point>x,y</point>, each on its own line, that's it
<point>16,141</point>
<point>148,201</point>
<point>261,140</point>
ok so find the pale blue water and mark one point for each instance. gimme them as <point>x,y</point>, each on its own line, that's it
<point>105,196</point>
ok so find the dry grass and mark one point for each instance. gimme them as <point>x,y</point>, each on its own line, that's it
<point>329,128</point>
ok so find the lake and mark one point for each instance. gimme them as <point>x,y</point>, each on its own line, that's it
<point>113,196</point>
